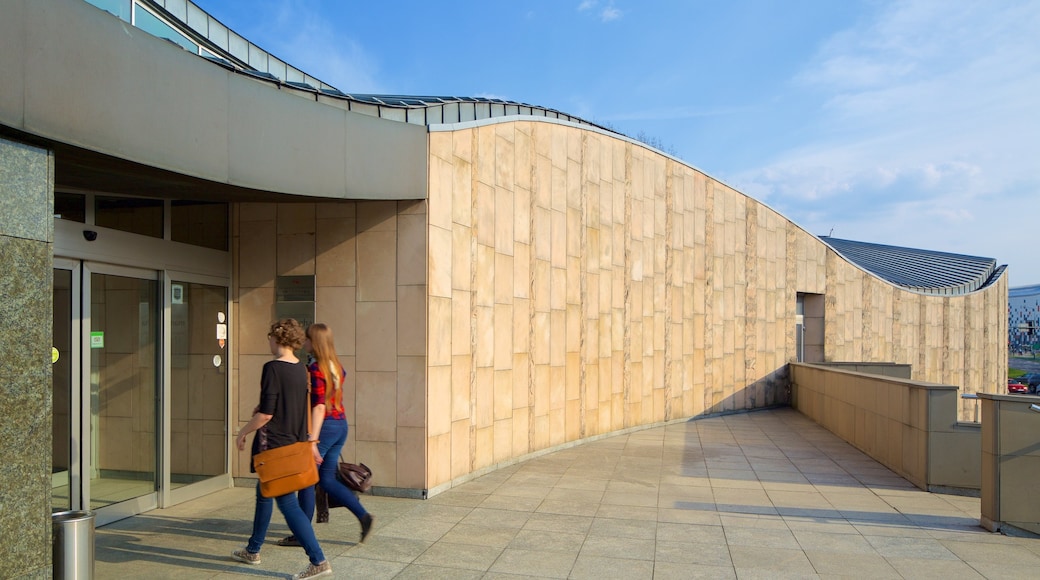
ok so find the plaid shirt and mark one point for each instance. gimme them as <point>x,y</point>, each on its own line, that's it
<point>318,384</point>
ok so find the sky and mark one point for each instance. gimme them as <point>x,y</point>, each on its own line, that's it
<point>907,122</point>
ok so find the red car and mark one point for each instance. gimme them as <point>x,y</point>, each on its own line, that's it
<point>1017,388</point>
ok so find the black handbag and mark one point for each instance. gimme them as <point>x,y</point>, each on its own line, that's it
<point>356,476</point>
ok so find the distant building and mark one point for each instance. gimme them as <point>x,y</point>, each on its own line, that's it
<point>1024,318</point>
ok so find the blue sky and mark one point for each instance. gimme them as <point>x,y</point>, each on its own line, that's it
<point>911,123</point>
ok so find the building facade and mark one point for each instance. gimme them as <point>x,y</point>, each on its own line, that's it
<point>503,279</point>
<point>1024,319</point>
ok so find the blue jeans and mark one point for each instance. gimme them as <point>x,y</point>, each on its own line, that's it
<point>299,524</point>
<point>330,444</point>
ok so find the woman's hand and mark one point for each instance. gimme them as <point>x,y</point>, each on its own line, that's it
<point>317,455</point>
<point>240,441</point>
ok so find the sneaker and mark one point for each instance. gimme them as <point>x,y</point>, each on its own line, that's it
<point>244,555</point>
<point>366,525</point>
<point>315,571</point>
<point>289,541</point>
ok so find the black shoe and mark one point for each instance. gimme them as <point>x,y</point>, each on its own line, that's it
<point>289,541</point>
<point>366,525</point>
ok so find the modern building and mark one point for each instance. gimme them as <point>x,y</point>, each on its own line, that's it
<point>1024,319</point>
<point>503,279</point>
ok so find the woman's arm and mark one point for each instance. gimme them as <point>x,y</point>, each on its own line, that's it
<point>317,418</point>
<point>259,420</point>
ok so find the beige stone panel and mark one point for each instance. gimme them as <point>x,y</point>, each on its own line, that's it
<point>504,287</point>
<point>336,307</point>
<point>502,447</point>
<point>541,234</point>
<point>558,241</point>
<point>606,383</point>
<point>572,380</point>
<point>441,194</point>
<point>377,216</point>
<point>542,390</point>
<point>377,335</point>
<point>558,288</point>
<point>377,269</point>
<point>541,432</point>
<point>461,375</point>
<point>485,336</point>
<point>521,272</point>
<point>484,291</point>
<point>485,159</point>
<point>376,406</point>
<point>461,457</point>
<point>521,157</point>
<point>557,337</point>
<point>439,347</point>
<point>541,187</point>
<point>438,408</point>
<point>336,210</point>
<point>502,343</point>
<point>296,218</point>
<point>484,397</point>
<point>336,252</point>
<point>411,391</point>
<point>381,457</point>
<point>257,212</point>
<point>521,377</point>
<point>462,194</point>
<point>541,346</point>
<point>484,453</point>
<point>541,286</point>
<point>521,432</point>
<point>411,250</point>
<point>484,214</point>
<point>255,315</point>
<point>411,457</point>
<point>438,457</point>
<point>459,323</point>
<point>411,321</point>
<point>461,257</point>
<point>442,265</point>
<point>503,219</point>
<point>572,421</point>
<point>441,145</point>
<point>521,215</point>
<point>557,426</point>
<point>502,394</point>
<point>257,255</point>
<point>573,323</point>
<point>606,291</point>
<point>462,145</point>
<point>557,387</point>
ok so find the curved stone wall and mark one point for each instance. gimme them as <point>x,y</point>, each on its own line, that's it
<point>580,284</point>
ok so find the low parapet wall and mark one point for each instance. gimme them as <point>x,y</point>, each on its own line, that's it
<point>911,427</point>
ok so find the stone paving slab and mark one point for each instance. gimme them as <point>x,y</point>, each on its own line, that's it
<point>767,494</point>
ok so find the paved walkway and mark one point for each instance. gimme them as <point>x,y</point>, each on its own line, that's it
<point>757,495</point>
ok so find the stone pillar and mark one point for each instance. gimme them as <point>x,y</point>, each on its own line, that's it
<point>26,258</point>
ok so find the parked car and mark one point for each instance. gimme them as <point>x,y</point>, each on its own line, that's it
<point>1032,380</point>
<point>1016,387</point>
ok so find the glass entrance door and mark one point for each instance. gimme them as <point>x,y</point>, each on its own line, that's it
<point>121,346</point>
<point>140,388</point>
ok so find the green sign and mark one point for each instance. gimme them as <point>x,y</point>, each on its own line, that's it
<point>97,339</point>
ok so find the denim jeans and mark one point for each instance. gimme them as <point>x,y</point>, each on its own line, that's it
<point>330,443</point>
<point>298,523</point>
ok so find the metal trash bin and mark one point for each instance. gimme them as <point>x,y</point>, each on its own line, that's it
<point>73,541</point>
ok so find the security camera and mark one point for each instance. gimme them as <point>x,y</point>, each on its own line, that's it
<point>89,235</point>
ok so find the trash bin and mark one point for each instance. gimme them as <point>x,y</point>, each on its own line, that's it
<point>73,537</point>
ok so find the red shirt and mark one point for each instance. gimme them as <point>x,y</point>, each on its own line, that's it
<point>318,385</point>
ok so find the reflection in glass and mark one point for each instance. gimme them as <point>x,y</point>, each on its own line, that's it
<point>70,206</point>
<point>147,22</point>
<point>130,214</point>
<point>123,378</point>
<point>198,391</point>
<point>61,392</point>
<point>200,223</point>
<point>120,8</point>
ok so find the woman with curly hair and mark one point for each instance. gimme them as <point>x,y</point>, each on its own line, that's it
<point>330,423</point>
<point>281,419</point>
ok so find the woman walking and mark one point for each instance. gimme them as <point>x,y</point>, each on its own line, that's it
<point>281,419</point>
<point>330,422</point>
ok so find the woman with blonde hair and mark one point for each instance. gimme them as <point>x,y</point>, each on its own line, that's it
<point>330,424</point>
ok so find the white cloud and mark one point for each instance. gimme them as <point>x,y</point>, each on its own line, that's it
<point>607,14</point>
<point>315,47</point>
<point>930,120</point>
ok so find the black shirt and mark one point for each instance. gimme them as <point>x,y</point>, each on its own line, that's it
<point>283,395</point>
